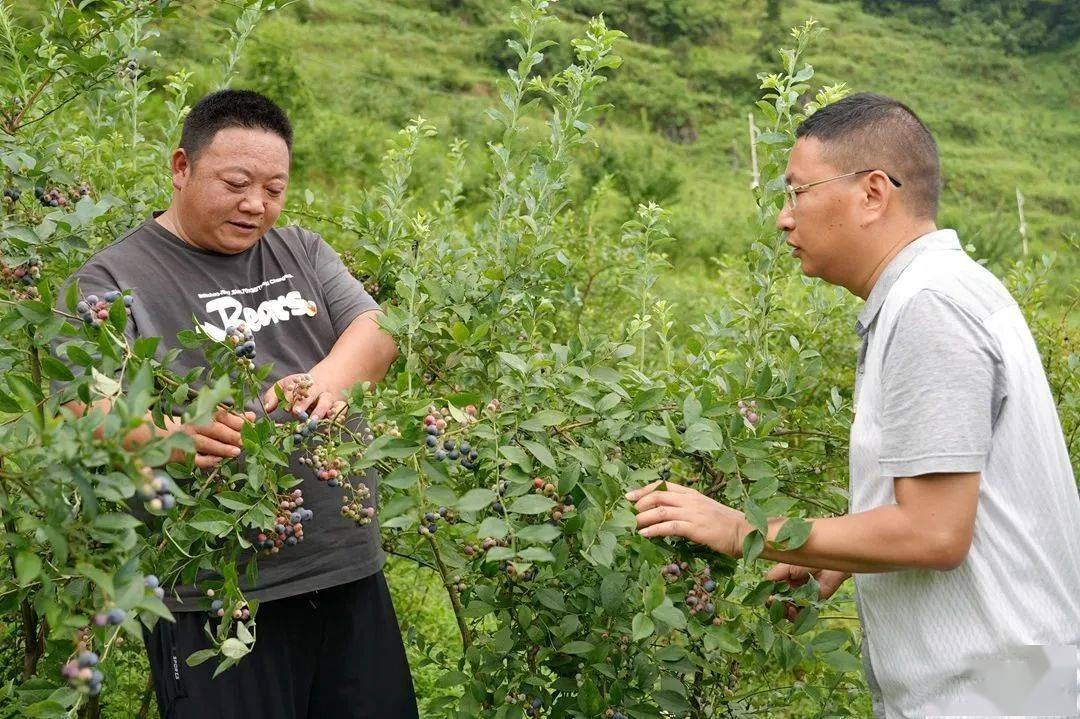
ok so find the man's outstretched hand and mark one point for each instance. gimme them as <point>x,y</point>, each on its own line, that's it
<point>829,580</point>
<point>304,392</point>
<point>678,511</point>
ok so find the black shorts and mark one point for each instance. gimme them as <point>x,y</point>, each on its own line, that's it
<point>332,654</point>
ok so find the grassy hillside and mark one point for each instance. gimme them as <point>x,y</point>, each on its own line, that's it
<point>353,71</point>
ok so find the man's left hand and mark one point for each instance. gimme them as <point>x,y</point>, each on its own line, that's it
<point>304,392</point>
<point>683,512</point>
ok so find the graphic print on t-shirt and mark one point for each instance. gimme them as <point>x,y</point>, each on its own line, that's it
<point>225,310</point>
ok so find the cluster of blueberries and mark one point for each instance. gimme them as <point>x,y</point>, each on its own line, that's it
<point>306,427</point>
<point>156,490</point>
<point>114,616</point>
<point>698,597</point>
<point>55,197</point>
<point>82,673</point>
<point>486,545</point>
<point>27,273</point>
<point>153,584</point>
<point>431,519</point>
<point>354,508</point>
<point>289,527</point>
<point>749,410</point>
<point>12,194</point>
<point>94,310</point>
<point>243,341</point>
<point>241,613</point>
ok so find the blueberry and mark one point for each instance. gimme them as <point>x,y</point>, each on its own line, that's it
<point>117,615</point>
<point>168,501</point>
<point>429,517</point>
<point>111,296</point>
<point>448,445</point>
<point>295,517</point>
<point>443,511</point>
<point>312,425</point>
<point>709,585</point>
<point>151,581</point>
<point>291,541</point>
<point>433,528</point>
<point>497,507</point>
<point>474,455</point>
<point>454,454</point>
<point>465,447</point>
<point>216,605</point>
<point>297,437</point>
<point>129,300</point>
<point>92,300</point>
<point>537,703</point>
<point>432,441</point>
<point>87,659</point>
<point>440,455</point>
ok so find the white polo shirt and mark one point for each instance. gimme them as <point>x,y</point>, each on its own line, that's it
<point>950,380</point>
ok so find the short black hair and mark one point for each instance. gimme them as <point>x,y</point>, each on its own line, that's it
<point>232,108</point>
<point>877,132</point>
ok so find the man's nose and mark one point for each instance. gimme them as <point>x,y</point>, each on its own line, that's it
<point>252,204</point>
<point>785,221</point>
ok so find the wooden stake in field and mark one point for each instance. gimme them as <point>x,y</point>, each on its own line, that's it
<point>1023,222</point>
<point>753,152</point>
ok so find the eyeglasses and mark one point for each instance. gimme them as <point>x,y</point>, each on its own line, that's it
<point>791,193</point>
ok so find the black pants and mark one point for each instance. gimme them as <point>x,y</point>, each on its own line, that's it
<point>332,654</point>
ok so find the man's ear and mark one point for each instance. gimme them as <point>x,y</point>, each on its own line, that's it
<point>877,194</point>
<point>181,168</point>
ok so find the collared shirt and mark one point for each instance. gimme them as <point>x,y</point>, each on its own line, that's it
<point>950,380</point>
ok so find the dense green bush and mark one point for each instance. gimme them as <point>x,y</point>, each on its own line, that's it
<point>529,318</point>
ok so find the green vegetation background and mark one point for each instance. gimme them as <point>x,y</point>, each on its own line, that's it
<point>352,72</point>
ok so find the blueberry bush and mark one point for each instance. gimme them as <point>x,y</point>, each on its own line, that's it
<point>542,376</point>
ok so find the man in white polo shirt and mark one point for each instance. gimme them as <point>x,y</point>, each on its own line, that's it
<point>963,532</point>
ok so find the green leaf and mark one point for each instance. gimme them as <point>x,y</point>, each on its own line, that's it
<point>514,362</point>
<point>402,477</point>
<point>642,627</point>
<point>577,647</point>
<point>829,640</point>
<point>476,499</point>
<point>670,615</point>
<point>27,567</point>
<point>531,504</point>
<point>233,648</point>
<point>536,554</point>
<point>200,656</point>
<point>752,546</point>
<point>544,533</point>
<point>612,592</point>
<point>795,532</point>
<point>541,452</point>
<point>55,369</point>
<point>541,420</point>
<point>654,594</point>
<point>841,661</point>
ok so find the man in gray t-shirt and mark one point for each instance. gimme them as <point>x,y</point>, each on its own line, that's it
<point>215,258</point>
<point>962,527</point>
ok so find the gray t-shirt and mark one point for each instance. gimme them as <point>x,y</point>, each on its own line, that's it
<point>268,286</point>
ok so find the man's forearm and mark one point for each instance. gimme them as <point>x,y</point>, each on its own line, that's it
<point>363,352</point>
<point>883,539</point>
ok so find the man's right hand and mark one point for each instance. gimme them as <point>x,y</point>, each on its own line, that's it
<point>829,580</point>
<point>215,441</point>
